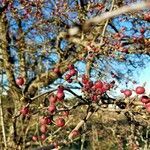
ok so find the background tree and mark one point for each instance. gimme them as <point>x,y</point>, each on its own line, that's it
<point>52,48</point>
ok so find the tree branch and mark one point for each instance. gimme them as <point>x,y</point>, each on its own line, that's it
<point>107,15</point>
<point>49,77</point>
<point>21,49</point>
<point>92,109</point>
<point>119,11</point>
<point>5,40</point>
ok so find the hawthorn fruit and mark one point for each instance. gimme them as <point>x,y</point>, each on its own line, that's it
<point>24,111</point>
<point>127,93</point>
<point>20,81</point>
<point>145,99</point>
<point>52,99</point>
<point>75,133</point>
<point>60,122</point>
<point>140,90</point>
<point>43,128</point>
<point>52,108</point>
<point>34,138</point>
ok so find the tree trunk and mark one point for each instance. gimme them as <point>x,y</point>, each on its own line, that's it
<point>14,91</point>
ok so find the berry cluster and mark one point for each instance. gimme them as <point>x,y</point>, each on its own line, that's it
<point>139,90</point>
<point>72,72</point>
<point>94,90</point>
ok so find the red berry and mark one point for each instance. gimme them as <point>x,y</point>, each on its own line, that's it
<point>57,70</point>
<point>85,79</point>
<point>122,91</point>
<point>72,72</point>
<point>34,138</point>
<point>142,30</point>
<point>60,95</point>
<point>52,108</point>
<point>71,67</point>
<point>98,84</point>
<point>65,113</point>
<point>52,99</point>
<point>106,86</point>
<point>49,120</point>
<point>147,16</point>
<point>43,120</point>
<point>43,128</point>
<point>55,144</point>
<point>127,93</point>
<point>75,133</point>
<point>89,84</point>
<point>43,137</point>
<point>140,90</point>
<point>67,76</point>
<point>147,106</point>
<point>111,85</point>
<point>94,98</point>
<point>69,80</point>
<point>20,81</point>
<point>148,109</point>
<point>93,88</point>
<point>60,122</point>
<point>24,111</point>
<point>145,99</point>
<point>60,88</point>
<point>100,91</point>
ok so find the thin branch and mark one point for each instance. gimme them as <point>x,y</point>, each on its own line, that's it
<point>40,95</point>
<point>82,122</point>
<point>49,77</point>
<point>83,137</point>
<point>2,116</point>
<point>79,97</point>
<point>106,24</point>
<point>21,50</point>
<point>5,49</point>
<point>113,27</point>
<point>77,104</point>
<point>119,11</point>
<point>107,15</point>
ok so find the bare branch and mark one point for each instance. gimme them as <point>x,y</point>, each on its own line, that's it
<point>119,11</point>
<point>82,122</point>
<point>49,77</point>
<point>2,118</point>
<point>4,40</point>
<point>107,15</point>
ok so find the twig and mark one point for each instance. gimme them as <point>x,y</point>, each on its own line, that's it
<point>119,11</point>
<point>79,97</point>
<point>2,123</point>
<point>2,116</point>
<point>83,138</point>
<point>106,24</point>
<point>55,132</point>
<point>107,15</point>
<point>34,98</point>
<point>77,104</point>
<point>81,123</point>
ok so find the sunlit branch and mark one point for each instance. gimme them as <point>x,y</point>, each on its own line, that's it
<point>5,49</point>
